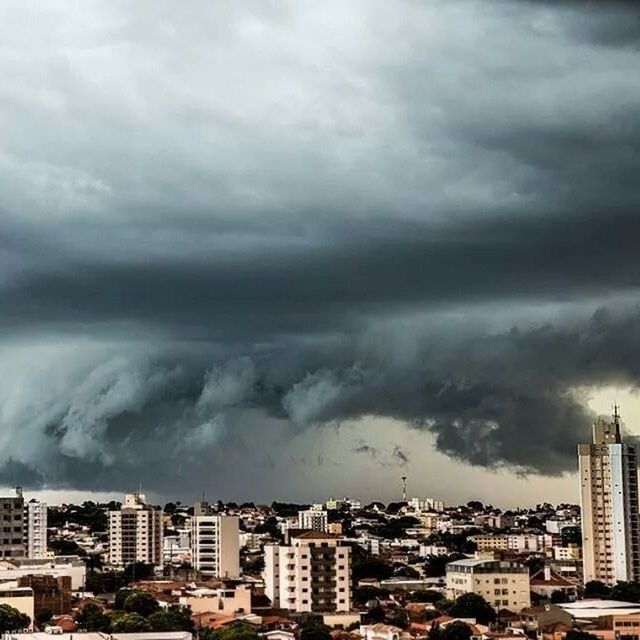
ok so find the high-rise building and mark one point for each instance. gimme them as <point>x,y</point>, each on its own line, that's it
<point>35,517</point>
<point>215,543</point>
<point>314,519</point>
<point>135,532</point>
<point>311,574</point>
<point>12,531</point>
<point>608,471</point>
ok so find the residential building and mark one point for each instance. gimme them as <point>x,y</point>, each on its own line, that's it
<point>423,505</point>
<point>381,631</point>
<point>50,593</point>
<point>608,471</point>
<point>135,532</point>
<point>546,582</point>
<point>20,598</point>
<point>59,566</point>
<point>228,600</point>
<point>35,519</point>
<point>99,635</point>
<point>311,574</point>
<point>502,583</point>
<point>12,539</point>
<point>313,519</point>
<point>215,543</point>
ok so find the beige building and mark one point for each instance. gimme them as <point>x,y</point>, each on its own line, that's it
<point>608,471</point>
<point>135,533</point>
<point>503,584</point>
<point>311,574</point>
<point>227,600</point>
<point>215,543</point>
<point>20,598</point>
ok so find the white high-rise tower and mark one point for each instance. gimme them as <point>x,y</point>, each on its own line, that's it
<point>609,502</point>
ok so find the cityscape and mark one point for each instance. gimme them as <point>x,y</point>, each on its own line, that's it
<point>413,568</point>
<point>319,320</point>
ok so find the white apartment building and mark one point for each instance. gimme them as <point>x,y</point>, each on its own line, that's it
<point>422,505</point>
<point>503,584</point>
<point>312,574</point>
<point>36,526</point>
<point>609,504</point>
<point>519,542</point>
<point>314,519</point>
<point>135,532</point>
<point>215,543</point>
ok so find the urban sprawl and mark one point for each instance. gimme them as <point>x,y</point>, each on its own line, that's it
<point>341,570</point>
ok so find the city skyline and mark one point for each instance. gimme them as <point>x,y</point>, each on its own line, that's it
<point>255,250</point>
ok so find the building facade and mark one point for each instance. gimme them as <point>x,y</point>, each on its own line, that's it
<point>608,471</point>
<point>12,529</point>
<point>135,533</point>
<point>314,519</point>
<point>311,574</point>
<point>215,543</point>
<point>504,584</point>
<point>35,516</point>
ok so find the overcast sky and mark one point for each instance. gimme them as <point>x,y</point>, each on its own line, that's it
<point>293,249</point>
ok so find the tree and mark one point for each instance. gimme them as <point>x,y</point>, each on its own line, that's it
<point>12,620</point>
<point>364,565</point>
<point>435,566</point>
<point>558,597</point>
<point>121,596</point>
<point>362,595</point>
<point>129,623</point>
<point>471,605</point>
<point>138,571</point>
<point>405,571</point>
<point>457,630</point>
<point>92,618</point>
<point>577,634</point>
<point>596,589</point>
<point>43,617</point>
<point>142,603</point>
<point>626,591</point>
<point>312,628</point>
<point>375,614</point>
<point>428,595</point>
<point>238,631</point>
<point>400,618</point>
<point>175,618</point>
<point>64,547</point>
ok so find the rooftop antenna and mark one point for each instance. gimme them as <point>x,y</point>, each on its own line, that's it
<point>404,488</point>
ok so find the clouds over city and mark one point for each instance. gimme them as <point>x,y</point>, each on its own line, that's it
<point>227,228</point>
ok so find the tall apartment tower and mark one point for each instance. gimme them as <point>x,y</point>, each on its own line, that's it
<point>609,501</point>
<point>311,574</point>
<point>135,532</point>
<point>12,529</point>
<point>35,517</point>
<point>215,543</point>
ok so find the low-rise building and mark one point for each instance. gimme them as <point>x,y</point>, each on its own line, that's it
<point>20,598</point>
<point>58,566</point>
<point>502,583</point>
<point>228,600</point>
<point>546,582</point>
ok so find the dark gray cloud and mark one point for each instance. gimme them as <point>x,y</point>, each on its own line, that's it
<point>223,230</point>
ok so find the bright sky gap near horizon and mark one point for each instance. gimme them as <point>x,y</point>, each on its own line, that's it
<point>284,251</point>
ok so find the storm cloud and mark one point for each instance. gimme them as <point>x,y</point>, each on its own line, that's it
<point>225,228</point>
